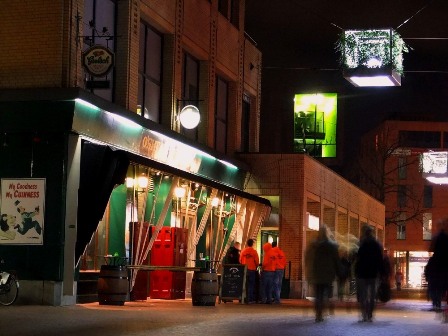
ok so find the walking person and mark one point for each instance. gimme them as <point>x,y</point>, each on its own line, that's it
<point>249,257</point>
<point>267,273</point>
<point>368,268</point>
<point>437,268</point>
<point>322,262</point>
<point>279,272</point>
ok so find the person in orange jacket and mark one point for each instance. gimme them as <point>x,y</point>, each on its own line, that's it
<point>268,273</point>
<point>279,271</point>
<point>249,257</point>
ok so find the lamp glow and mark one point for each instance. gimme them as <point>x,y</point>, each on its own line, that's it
<point>142,182</point>
<point>215,202</point>
<point>179,192</point>
<point>437,180</point>
<point>129,182</point>
<point>372,81</point>
<point>189,117</point>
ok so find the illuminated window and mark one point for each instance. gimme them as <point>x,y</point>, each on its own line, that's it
<point>427,226</point>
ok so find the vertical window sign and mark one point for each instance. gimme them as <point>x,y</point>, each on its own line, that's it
<point>22,204</point>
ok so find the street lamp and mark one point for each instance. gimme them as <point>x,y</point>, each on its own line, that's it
<point>189,117</point>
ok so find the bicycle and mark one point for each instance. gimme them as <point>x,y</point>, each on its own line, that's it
<point>9,287</point>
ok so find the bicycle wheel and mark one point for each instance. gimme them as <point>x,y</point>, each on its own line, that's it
<point>9,291</point>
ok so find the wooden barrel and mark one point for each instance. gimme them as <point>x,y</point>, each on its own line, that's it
<point>204,288</point>
<point>113,285</point>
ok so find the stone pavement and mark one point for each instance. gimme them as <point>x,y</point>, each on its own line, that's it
<point>179,317</point>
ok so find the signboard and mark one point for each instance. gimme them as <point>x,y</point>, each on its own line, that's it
<point>434,163</point>
<point>22,211</point>
<point>98,60</point>
<point>233,283</point>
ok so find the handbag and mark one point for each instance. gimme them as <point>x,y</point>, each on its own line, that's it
<point>384,291</point>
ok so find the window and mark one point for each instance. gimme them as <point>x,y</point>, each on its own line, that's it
<point>427,226</point>
<point>401,196</point>
<point>99,14</point>
<point>150,72</point>
<point>245,124</point>
<point>190,90</point>
<point>402,168</point>
<point>419,139</point>
<point>221,115</point>
<point>401,227</point>
<point>427,196</point>
<point>230,10</point>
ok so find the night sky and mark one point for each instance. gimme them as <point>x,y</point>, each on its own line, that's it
<point>297,39</point>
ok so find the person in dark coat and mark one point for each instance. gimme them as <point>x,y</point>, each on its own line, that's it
<point>438,269</point>
<point>435,283</point>
<point>322,260</point>
<point>368,268</point>
<point>233,254</point>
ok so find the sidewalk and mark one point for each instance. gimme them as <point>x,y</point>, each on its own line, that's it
<point>399,317</point>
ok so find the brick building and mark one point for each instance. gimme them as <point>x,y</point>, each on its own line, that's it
<point>301,189</point>
<point>414,206</point>
<point>90,97</point>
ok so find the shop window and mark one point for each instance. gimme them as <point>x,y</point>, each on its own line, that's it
<point>190,90</point>
<point>427,196</point>
<point>150,73</point>
<point>99,29</point>
<point>402,168</point>
<point>427,226</point>
<point>221,115</point>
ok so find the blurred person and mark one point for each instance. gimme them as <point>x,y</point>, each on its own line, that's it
<point>233,254</point>
<point>398,279</point>
<point>437,268</point>
<point>322,262</point>
<point>279,271</point>
<point>435,284</point>
<point>344,272</point>
<point>368,268</point>
<point>249,257</point>
<point>268,273</point>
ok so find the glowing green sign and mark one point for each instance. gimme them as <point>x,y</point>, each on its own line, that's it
<point>315,121</point>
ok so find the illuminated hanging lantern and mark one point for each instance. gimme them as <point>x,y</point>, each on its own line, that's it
<point>189,117</point>
<point>372,57</point>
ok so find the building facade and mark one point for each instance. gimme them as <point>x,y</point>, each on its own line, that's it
<point>305,194</point>
<point>91,94</point>
<point>391,168</point>
<point>98,163</point>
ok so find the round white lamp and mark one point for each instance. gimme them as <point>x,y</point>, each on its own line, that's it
<point>189,117</point>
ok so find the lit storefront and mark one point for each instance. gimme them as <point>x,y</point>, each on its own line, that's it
<point>107,178</point>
